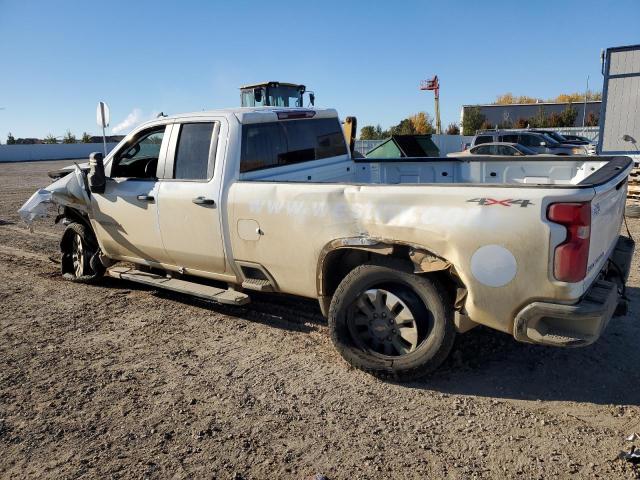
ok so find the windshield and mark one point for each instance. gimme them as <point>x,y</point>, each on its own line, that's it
<point>556,136</point>
<point>285,97</point>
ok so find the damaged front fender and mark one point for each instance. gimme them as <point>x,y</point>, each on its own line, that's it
<point>69,191</point>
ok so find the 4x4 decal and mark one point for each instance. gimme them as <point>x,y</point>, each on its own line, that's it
<point>505,203</point>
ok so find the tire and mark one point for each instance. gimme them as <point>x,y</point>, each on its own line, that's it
<point>80,262</point>
<point>396,349</point>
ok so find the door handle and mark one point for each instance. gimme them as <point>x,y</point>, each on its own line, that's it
<point>204,201</point>
<point>146,198</point>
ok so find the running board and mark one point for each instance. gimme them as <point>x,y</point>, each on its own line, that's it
<point>261,285</point>
<point>219,295</point>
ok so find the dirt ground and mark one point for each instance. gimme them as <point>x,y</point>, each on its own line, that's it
<point>123,381</point>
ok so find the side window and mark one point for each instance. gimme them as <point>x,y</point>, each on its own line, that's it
<point>483,150</point>
<point>483,139</point>
<point>268,145</point>
<point>506,150</point>
<point>530,140</point>
<point>509,138</point>
<point>139,160</point>
<point>191,161</point>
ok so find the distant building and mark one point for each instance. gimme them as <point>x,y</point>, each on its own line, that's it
<point>511,113</point>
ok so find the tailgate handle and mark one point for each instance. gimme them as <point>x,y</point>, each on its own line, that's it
<point>145,198</point>
<point>204,201</point>
<point>619,186</point>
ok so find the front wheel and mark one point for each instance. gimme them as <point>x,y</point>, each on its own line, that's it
<point>390,322</point>
<point>80,262</point>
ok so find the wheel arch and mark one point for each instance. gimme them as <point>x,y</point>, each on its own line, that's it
<point>341,256</point>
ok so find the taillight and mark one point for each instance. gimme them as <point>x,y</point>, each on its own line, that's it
<point>571,256</point>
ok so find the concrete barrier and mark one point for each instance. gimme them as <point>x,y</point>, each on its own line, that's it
<point>61,151</point>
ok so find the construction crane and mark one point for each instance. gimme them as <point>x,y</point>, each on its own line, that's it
<point>434,84</point>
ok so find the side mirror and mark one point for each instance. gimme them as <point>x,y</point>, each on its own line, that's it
<point>96,177</point>
<point>543,144</point>
<point>257,95</point>
<point>312,98</point>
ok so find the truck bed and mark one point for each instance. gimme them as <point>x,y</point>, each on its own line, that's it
<point>544,171</point>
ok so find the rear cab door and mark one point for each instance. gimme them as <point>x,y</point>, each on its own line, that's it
<point>189,196</point>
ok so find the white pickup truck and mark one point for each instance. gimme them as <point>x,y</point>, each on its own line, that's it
<point>402,254</point>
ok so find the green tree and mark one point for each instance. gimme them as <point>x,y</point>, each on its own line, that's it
<point>539,120</point>
<point>10,139</point>
<point>405,127</point>
<point>86,138</point>
<point>69,137</point>
<point>569,116</point>
<point>453,129</point>
<point>369,132</point>
<point>50,139</point>
<point>472,120</point>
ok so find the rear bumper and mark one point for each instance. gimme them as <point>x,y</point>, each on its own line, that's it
<point>582,323</point>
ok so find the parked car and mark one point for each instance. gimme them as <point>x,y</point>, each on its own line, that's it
<point>538,142</point>
<point>495,148</point>
<point>401,255</point>
<point>553,134</point>
<point>577,139</point>
<point>590,147</point>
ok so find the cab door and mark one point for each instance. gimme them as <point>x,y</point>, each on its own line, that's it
<point>189,197</point>
<point>125,216</point>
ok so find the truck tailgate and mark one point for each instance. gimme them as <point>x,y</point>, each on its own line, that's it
<point>607,212</point>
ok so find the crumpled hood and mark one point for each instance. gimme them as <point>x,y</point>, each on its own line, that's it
<point>68,191</point>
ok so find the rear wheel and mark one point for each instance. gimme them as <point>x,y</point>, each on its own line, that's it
<point>80,261</point>
<point>390,322</point>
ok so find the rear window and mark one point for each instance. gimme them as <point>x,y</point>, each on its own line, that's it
<point>268,145</point>
<point>483,139</point>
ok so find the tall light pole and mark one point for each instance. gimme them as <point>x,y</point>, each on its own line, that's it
<point>584,110</point>
<point>434,84</point>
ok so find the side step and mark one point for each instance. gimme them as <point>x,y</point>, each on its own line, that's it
<point>261,285</point>
<point>220,295</point>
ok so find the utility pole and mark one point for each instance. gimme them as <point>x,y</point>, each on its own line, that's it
<point>584,110</point>
<point>434,84</point>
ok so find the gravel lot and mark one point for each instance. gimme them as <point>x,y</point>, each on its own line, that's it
<point>123,381</point>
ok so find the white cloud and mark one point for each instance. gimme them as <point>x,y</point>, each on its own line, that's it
<point>135,118</point>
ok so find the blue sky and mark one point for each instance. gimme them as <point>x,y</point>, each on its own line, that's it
<point>58,58</point>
